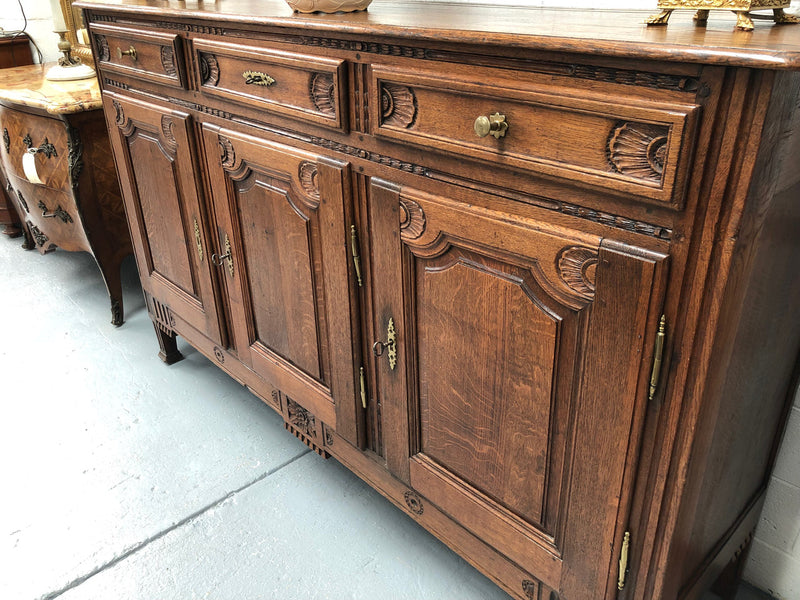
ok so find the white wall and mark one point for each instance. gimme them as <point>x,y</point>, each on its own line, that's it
<point>39,27</point>
<point>774,563</point>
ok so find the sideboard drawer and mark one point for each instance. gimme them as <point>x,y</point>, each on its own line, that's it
<point>147,55</point>
<point>23,133</point>
<point>631,146</point>
<point>285,83</point>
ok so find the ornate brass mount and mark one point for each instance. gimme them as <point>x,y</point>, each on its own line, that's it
<point>57,213</point>
<point>227,257</point>
<point>742,8</point>
<point>390,345</point>
<point>256,78</point>
<point>46,148</point>
<point>493,124</point>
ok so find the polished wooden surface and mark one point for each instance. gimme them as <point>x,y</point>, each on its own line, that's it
<point>15,51</point>
<point>75,204</point>
<point>470,323</point>
<point>606,32</point>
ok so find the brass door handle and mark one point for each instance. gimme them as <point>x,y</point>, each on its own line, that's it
<point>129,52</point>
<point>495,124</point>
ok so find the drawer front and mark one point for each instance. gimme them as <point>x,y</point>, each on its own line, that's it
<point>50,216</point>
<point>285,83</point>
<point>156,57</point>
<point>629,146</point>
<point>40,137</point>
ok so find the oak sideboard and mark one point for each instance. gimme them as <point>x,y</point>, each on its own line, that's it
<point>529,273</point>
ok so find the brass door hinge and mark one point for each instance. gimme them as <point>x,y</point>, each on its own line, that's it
<point>356,254</point>
<point>658,356</point>
<point>363,385</point>
<point>623,560</point>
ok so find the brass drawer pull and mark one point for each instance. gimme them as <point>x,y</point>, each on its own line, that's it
<point>46,147</point>
<point>129,52</point>
<point>390,345</point>
<point>257,78</point>
<point>495,124</point>
<point>58,212</point>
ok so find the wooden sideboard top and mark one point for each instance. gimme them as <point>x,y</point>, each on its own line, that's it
<point>27,86</point>
<point>605,32</point>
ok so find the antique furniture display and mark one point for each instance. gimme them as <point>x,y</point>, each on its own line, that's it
<point>60,171</point>
<point>742,8</point>
<point>519,282</point>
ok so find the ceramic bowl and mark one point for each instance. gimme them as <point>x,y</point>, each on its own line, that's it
<point>327,6</point>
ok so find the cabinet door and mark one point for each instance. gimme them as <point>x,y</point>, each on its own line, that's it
<point>281,217</point>
<point>156,160</point>
<point>512,395</point>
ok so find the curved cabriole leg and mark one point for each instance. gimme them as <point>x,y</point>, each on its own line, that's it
<point>660,19</point>
<point>169,352</point>
<point>743,20</point>
<point>781,18</point>
<point>27,243</point>
<point>110,268</point>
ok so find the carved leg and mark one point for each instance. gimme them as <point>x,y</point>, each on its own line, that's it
<point>781,18</point>
<point>169,347</point>
<point>701,17</point>
<point>743,20</point>
<point>110,270</point>
<point>660,19</point>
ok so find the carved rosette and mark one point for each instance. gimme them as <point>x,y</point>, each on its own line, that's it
<point>6,139</point>
<point>412,219</point>
<point>103,53</point>
<point>576,267</point>
<point>301,419</point>
<point>308,174</point>
<point>219,355</point>
<point>168,61</point>
<point>209,69</point>
<point>322,92</point>
<point>227,154</point>
<point>168,134</point>
<point>638,150</point>
<point>414,503</point>
<point>398,105</point>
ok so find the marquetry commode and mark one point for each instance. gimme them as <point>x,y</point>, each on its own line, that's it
<point>520,282</point>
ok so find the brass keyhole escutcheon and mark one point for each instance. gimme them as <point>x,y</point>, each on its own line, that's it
<point>495,125</point>
<point>390,345</point>
<point>129,52</point>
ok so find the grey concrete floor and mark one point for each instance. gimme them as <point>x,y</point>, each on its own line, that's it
<point>126,479</point>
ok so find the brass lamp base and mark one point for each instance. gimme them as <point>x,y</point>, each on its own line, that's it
<point>742,8</point>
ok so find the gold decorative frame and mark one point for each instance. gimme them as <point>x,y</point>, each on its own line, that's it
<point>742,8</point>
<point>74,21</point>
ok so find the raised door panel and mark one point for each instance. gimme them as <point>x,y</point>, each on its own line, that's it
<point>282,213</point>
<point>156,160</point>
<point>518,365</point>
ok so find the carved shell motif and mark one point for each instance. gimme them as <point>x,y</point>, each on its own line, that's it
<point>209,69</point>
<point>119,113</point>
<point>167,133</point>
<point>227,155</point>
<point>398,105</point>
<point>412,219</point>
<point>308,173</point>
<point>322,93</point>
<point>576,267</point>
<point>638,150</point>
<point>102,48</point>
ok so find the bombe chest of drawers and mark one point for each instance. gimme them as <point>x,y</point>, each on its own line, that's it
<point>515,268</point>
<point>59,174</point>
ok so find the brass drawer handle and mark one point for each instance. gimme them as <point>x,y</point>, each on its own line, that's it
<point>58,212</point>
<point>257,78</point>
<point>495,124</point>
<point>129,52</point>
<point>46,147</point>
